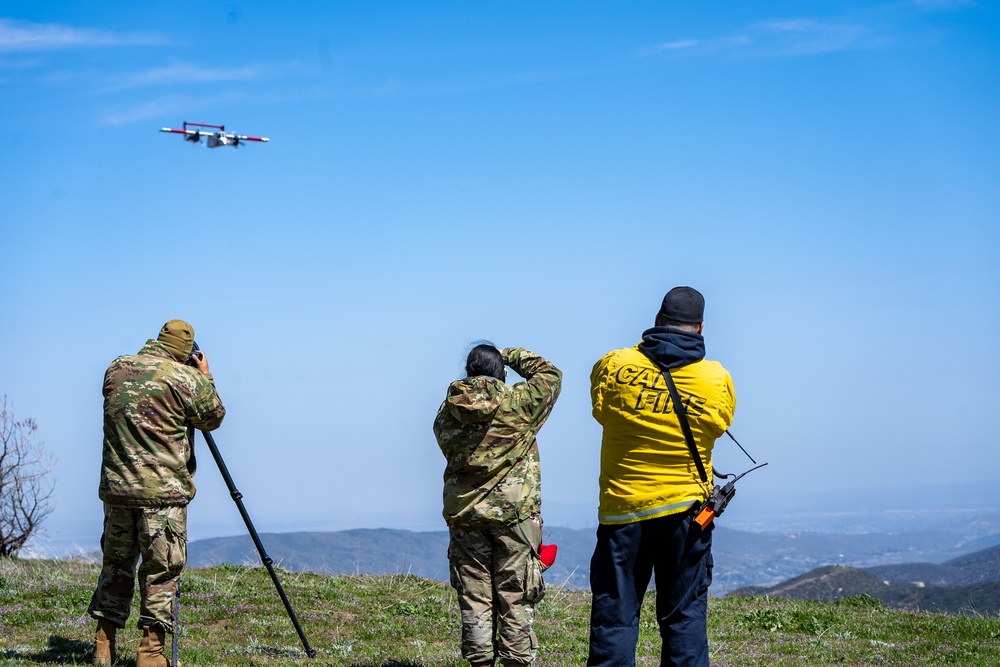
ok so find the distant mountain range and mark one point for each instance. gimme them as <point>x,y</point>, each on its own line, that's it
<point>742,559</point>
<point>974,568</point>
<point>963,585</point>
<point>360,551</point>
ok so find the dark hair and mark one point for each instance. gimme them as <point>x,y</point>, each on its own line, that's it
<point>485,359</point>
<point>674,324</point>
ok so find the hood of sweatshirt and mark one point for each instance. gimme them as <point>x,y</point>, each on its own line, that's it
<point>672,348</point>
<point>476,399</point>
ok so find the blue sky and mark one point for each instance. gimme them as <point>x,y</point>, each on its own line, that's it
<point>537,174</point>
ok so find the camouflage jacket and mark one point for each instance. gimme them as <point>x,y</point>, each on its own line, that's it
<point>486,431</point>
<point>152,404</point>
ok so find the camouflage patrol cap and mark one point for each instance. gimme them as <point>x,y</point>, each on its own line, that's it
<point>178,337</point>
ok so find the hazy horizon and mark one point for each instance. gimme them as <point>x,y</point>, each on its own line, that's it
<point>888,511</point>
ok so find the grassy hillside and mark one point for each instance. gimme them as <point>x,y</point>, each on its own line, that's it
<point>232,616</point>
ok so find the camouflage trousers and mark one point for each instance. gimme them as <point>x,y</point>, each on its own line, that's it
<point>499,579</point>
<point>159,536</point>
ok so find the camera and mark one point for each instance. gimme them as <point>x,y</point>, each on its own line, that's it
<point>195,354</point>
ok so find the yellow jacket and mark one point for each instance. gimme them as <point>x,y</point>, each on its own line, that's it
<point>646,466</point>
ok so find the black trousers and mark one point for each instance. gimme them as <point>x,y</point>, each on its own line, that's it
<point>678,553</point>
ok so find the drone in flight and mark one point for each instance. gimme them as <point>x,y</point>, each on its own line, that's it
<point>216,135</point>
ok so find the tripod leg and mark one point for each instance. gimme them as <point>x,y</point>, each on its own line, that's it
<point>177,625</point>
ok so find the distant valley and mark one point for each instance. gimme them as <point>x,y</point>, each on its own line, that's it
<point>742,559</point>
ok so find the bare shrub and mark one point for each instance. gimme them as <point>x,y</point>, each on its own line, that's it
<point>25,486</point>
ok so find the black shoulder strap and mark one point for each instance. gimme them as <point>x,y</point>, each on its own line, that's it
<point>679,408</point>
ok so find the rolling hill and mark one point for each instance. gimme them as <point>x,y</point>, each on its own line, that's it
<point>969,584</point>
<point>977,567</point>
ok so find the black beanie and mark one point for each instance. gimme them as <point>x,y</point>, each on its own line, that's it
<point>683,304</point>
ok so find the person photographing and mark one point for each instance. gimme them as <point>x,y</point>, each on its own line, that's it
<point>153,402</point>
<point>492,499</point>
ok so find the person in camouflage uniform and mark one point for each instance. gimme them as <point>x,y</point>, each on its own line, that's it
<point>153,402</point>
<point>492,499</point>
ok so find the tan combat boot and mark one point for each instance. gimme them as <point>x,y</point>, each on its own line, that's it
<point>151,648</point>
<point>104,642</point>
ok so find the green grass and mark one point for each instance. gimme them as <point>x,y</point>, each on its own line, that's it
<point>233,616</point>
